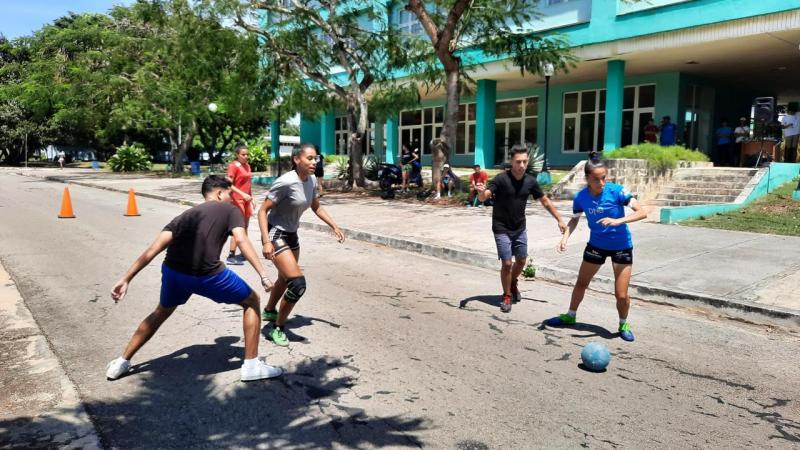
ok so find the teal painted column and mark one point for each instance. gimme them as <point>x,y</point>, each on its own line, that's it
<point>615,88</point>
<point>328,133</point>
<point>377,134</point>
<point>485,103</point>
<point>392,138</point>
<point>275,134</point>
<point>309,131</point>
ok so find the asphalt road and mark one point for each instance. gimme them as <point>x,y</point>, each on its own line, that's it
<point>388,349</point>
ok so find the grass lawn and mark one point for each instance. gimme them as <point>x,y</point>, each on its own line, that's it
<point>776,213</point>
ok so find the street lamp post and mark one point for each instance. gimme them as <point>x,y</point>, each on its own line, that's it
<point>212,107</point>
<point>548,70</point>
<point>277,105</point>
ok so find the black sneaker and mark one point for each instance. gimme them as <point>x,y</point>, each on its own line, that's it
<point>515,294</point>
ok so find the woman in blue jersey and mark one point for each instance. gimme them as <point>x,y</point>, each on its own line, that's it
<point>604,205</point>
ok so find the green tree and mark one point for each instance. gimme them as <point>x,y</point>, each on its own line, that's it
<point>183,60</point>
<point>342,49</point>
<point>488,27</point>
<point>57,79</point>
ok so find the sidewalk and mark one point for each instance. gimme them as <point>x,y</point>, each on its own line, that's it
<point>750,275</point>
<point>39,407</point>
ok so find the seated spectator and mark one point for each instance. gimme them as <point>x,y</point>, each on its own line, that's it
<point>478,178</point>
<point>448,181</point>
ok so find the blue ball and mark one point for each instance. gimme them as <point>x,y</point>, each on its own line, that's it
<point>595,356</point>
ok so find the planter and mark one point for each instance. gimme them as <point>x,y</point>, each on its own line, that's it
<point>634,174</point>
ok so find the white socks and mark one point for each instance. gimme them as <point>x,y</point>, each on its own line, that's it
<point>572,312</point>
<point>248,363</point>
<point>623,321</point>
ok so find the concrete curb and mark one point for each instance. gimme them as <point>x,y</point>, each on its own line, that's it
<point>639,291</point>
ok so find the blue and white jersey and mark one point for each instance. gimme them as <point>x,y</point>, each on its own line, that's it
<point>610,203</point>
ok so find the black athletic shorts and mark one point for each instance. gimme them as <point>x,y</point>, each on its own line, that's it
<point>283,240</point>
<point>596,255</point>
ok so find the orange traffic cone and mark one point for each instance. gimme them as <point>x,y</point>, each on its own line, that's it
<point>66,206</point>
<point>132,209</point>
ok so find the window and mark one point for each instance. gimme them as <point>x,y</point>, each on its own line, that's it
<point>584,117</point>
<point>531,120</point>
<point>408,24</point>
<point>465,138</point>
<point>420,126</point>
<point>411,118</point>
<point>341,136</point>
<point>508,110</point>
<point>516,123</point>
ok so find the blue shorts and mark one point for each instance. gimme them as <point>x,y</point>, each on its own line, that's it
<point>224,287</point>
<point>509,245</point>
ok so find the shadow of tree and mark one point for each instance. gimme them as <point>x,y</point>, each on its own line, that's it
<point>180,403</point>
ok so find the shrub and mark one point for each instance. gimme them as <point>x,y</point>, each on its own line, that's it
<point>339,165</point>
<point>529,271</point>
<point>370,167</point>
<point>535,160</point>
<point>130,158</point>
<point>258,150</point>
<point>660,158</point>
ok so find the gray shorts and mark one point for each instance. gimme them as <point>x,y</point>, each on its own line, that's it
<point>509,245</point>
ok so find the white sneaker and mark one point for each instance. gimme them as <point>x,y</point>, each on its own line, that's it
<point>260,371</point>
<point>117,368</point>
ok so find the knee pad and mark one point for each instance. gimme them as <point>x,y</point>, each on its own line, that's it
<point>295,288</point>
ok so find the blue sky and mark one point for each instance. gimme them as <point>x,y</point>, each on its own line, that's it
<point>23,17</point>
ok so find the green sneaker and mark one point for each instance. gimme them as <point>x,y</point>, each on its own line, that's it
<point>625,332</point>
<point>560,320</point>
<point>269,316</point>
<point>279,337</point>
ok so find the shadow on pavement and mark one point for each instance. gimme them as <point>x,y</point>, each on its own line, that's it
<point>592,330</point>
<point>179,404</point>
<point>491,300</point>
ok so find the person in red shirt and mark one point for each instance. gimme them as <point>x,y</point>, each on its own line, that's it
<point>476,179</point>
<point>651,132</point>
<point>240,175</point>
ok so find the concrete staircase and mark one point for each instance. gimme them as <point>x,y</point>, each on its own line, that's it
<point>699,186</point>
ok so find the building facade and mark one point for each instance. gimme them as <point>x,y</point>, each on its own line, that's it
<point>697,61</point>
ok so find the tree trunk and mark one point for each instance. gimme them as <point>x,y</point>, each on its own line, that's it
<point>178,151</point>
<point>447,141</point>
<point>175,154</point>
<point>355,178</point>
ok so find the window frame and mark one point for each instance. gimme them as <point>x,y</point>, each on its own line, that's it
<point>599,110</point>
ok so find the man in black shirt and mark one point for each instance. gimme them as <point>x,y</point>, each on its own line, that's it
<point>510,190</point>
<point>194,242</point>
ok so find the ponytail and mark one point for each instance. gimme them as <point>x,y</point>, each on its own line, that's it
<point>591,165</point>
